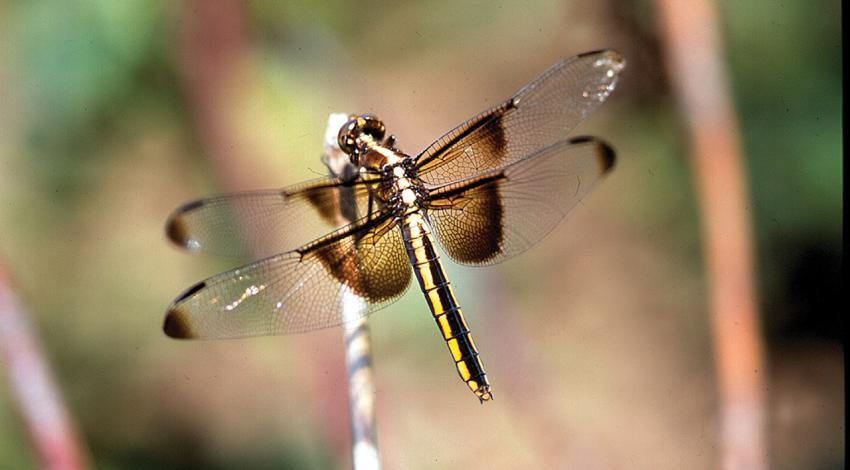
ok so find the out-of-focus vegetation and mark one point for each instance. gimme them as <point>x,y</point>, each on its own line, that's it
<point>596,341</point>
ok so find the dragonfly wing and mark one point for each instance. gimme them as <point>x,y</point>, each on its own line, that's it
<point>259,224</point>
<point>500,213</point>
<point>363,265</point>
<point>538,116</point>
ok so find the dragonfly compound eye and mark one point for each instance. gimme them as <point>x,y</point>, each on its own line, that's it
<point>359,131</point>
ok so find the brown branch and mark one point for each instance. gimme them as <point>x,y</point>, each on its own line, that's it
<point>39,402</point>
<point>696,67</point>
<point>212,51</point>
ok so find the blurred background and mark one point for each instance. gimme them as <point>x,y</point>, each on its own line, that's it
<point>597,341</point>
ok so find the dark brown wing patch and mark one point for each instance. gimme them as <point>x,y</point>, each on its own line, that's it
<point>498,214</point>
<point>177,232</point>
<point>175,326</point>
<point>541,114</point>
<point>475,234</point>
<point>357,269</point>
<point>604,153</point>
<point>360,269</point>
<point>336,205</point>
<point>326,202</point>
<point>488,131</point>
<point>259,224</point>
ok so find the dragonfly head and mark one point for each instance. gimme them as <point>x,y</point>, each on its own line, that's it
<point>359,134</point>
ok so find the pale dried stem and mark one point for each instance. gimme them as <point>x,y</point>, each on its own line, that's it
<point>213,47</point>
<point>358,343</point>
<point>696,66</point>
<point>39,402</point>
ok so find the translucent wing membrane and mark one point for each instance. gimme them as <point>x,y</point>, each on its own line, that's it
<point>497,184</point>
<point>502,212</point>
<point>259,224</point>
<point>301,290</point>
<point>539,115</point>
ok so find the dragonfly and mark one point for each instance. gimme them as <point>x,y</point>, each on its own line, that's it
<point>485,191</point>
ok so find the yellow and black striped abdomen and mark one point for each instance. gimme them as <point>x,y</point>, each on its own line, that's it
<point>438,292</point>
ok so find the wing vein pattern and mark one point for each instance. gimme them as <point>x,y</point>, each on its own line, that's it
<point>541,114</point>
<point>300,290</point>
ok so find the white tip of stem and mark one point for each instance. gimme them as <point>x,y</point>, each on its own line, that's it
<point>365,457</point>
<point>335,122</point>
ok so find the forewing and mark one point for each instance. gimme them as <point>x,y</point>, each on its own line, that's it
<point>360,268</point>
<point>539,115</point>
<point>259,224</point>
<point>500,213</point>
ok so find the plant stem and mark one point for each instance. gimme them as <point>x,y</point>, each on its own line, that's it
<point>39,401</point>
<point>696,67</point>
<point>358,343</point>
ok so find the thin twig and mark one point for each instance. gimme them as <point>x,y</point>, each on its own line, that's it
<point>358,343</point>
<point>39,401</point>
<point>695,60</point>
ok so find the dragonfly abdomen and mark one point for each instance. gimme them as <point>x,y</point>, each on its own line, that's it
<point>443,304</point>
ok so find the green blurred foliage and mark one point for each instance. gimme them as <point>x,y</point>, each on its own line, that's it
<point>786,73</point>
<point>86,67</point>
